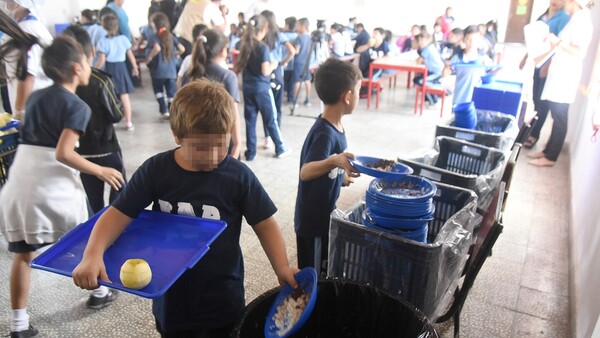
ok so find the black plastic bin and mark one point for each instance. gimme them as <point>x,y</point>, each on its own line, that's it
<point>344,309</point>
<point>8,147</point>
<point>463,164</point>
<point>493,129</point>
<point>422,274</point>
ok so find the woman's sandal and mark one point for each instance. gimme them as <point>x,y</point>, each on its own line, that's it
<point>530,142</point>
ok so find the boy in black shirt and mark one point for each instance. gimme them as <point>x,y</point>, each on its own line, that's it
<point>324,165</point>
<point>199,179</point>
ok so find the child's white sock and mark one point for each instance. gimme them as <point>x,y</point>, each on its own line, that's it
<point>100,292</point>
<point>19,321</point>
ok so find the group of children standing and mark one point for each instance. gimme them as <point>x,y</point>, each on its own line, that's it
<point>82,105</point>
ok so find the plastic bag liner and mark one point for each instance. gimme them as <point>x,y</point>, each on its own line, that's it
<point>463,164</point>
<point>419,273</point>
<point>344,309</point>
<point>493,129</point>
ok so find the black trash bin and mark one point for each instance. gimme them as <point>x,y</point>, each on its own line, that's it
<point>344,309</point>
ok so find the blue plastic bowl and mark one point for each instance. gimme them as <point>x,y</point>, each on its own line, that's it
<point>307,281</point>
<point>419,235</point>
<point>404,189</point>
<point>422,210</point>
<point>395,223</point>
<point>363,165</point>
<point>464,107</point>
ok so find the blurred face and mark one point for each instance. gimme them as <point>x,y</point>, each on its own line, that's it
<point>203,152</point>
<point>423,42</point>
<point>377,36</point>
<point>471,41</point>
<point>83,70</point>
<point>556,5</point>
<point>415,31</point>
<point>119,3</point>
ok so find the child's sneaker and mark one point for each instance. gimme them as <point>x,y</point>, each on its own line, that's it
<point>164,116</point>
<point>30,332</point>
<point>98,303</point>
<point>129,126</point>
<point>284,154</point>
<point>307,102</point>
<point>267,143</point>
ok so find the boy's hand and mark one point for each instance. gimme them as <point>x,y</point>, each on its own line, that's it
<point>87,272</point>
<point>286,275</point>
<point>112,177</point>
<point>347,180</point>
<point>341,161</point>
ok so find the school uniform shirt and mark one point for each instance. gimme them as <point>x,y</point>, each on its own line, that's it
<point>361,39</point>
<point>210,294</point>
<point>95,31</point>
<point>467,77</point>
<point>49,111</point>
<point>338,48</point>
<point>290,36</point>
<point>433,60</point>
<point>252,75</point>
<point>317,198</point>
<point>277,55</point>
<point>30,24</point>
<point>40,208</point>
<point>348,48</point>
<point>304,41</point>
<point>114,48</point>
<point>161,69</point>
<point>371,54</point>
<point>226,77</point>
<point>564,73</point>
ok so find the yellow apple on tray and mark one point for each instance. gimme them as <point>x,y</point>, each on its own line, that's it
<point>135,273</point>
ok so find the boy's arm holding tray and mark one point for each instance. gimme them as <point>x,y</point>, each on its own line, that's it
<point>107,229</point>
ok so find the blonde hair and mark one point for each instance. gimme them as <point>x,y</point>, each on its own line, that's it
<point>202,106</point>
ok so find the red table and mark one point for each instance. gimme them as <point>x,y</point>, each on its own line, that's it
<point>399,65</point>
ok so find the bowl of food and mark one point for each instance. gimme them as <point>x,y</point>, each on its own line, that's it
<point>381,168</point>
<point>292,307</point>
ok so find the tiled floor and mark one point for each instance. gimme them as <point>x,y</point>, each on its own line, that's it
<point>522,289</point>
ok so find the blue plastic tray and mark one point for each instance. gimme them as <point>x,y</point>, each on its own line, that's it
<point>307,280</point>
<point>170,244</point>
<point>362,163</point>
<point>11,124</point>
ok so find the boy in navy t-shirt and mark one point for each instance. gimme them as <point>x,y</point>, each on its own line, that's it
<point>324,165</point>
<point>199,179</point>
<point>301,73</point>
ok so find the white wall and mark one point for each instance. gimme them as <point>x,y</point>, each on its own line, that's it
<point>585,197</point>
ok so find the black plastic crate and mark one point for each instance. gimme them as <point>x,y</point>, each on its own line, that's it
<point>419,273</point>
<point>463,164</point>
<point>8,147</point>
<point>493,129</point>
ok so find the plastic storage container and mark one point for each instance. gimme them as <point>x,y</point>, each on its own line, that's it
<point>422,274</point>
<point>499,95</point>
<point>464,164</point>
<point>344,309</point>
<point>8,148</point>
<point>493,129</point>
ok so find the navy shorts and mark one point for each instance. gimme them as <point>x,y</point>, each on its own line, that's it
<point>297,74</point>
<point>22,247</point>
